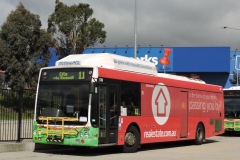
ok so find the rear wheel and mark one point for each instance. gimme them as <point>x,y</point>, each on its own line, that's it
<point>131,140</point>
<point>200,134</point>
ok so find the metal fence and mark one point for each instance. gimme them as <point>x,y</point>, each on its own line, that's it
<point>16,114</point>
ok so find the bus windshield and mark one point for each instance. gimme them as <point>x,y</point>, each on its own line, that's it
<point>232,107</point>
<point>69,100</point>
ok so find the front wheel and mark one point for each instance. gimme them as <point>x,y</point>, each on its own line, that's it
<point>200,134</point>
<point>131,140</point>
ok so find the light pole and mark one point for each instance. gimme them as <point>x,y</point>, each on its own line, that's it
<point>135,30</point>
<point>226,27</point>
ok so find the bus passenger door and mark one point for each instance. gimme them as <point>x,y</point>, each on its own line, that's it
<point>108,113</point>
<point>184,114</point>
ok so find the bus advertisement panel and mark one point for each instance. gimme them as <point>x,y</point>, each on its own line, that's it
<point>103,99</point>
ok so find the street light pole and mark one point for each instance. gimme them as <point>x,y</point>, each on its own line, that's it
<point>226,27</point>
<point>135,30</point>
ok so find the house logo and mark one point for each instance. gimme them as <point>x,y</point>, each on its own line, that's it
<point>161,104</point>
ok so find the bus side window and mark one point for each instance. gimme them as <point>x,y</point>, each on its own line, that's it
<point>131,98</point>
<point>130,107</point>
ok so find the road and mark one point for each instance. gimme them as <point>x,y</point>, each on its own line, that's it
<point>215,148</point>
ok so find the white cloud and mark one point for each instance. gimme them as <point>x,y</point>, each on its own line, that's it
<point>5,9</point>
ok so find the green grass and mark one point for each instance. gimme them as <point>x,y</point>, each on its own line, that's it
<point>9,103</point>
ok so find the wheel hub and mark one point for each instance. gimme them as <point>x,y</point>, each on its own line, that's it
<point>130,139</point>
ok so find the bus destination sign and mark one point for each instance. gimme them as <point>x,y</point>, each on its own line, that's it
<point>72,74</point>
<point>232,93</point>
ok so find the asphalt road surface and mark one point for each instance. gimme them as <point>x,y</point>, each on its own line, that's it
<point>215,148</point>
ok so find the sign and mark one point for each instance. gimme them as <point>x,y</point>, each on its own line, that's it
<point>161,104</point>
<point>72,74</point>
<point>232,93</point>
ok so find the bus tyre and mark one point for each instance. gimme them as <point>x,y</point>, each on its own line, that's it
<point>131,140</point>
<point>200,134</point>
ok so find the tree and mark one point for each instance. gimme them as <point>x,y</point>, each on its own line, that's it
<point>74,28</point>
<point>3,60</point>
<point>23,48</point>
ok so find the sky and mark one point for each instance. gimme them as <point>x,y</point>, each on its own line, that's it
<point>167,23</point>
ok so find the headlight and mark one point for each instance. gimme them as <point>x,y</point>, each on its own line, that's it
<point>34,132</point>
<point>80,134</point>
<point>86,134</point>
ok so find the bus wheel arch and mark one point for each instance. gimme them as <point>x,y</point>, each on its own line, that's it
<point>200,134</point>
<point>132,138</point>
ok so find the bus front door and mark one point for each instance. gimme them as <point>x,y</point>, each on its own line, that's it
<point>184,114</point>
<point>108,113</point>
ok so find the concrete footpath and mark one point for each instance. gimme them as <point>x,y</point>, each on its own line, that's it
<point>27,145</point>
<point>16,146</point>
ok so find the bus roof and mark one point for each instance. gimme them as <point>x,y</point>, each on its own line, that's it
<point>182,78</point>
<point>110,61</point>
<point>233,88</point>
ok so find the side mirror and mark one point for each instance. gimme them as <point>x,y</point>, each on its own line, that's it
<point>92,87</point>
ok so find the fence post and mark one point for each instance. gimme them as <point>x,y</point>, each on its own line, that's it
<point>20,110</point>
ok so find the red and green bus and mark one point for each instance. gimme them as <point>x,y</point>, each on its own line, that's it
<point>232,109</point>
<point>103,99</point>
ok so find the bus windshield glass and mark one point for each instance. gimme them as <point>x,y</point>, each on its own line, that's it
<point>68,100</point>
<point>232,104</point>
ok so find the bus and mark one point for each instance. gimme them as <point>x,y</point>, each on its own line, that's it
<point>232,109</point>
<point>103,99</point>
